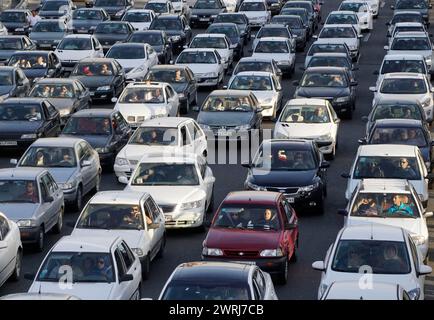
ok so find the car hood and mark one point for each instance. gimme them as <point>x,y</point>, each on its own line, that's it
<point>62,175</point>
<point>19,211</point>
<point>282,179</point>
<point>200,68</point>
<point>132,237</point>
<point>255,14</point>
<point>225,118</point>
<point>422,11</point>
<point>35,73</point>
<point>131,63</point>
<point>305,130</point>
<point>74,55</point>
<point>96,141</point>
<point>85,23</point>
<point>325,92</point>
<point>171,194</point>
<point>95,81</point>
<point>235,239</point>
<point>19,126</point>
<point>276,56</point>
<point>84,291</point>
<point>5,89</point>
<point>413,226</point>
<point>136,152</point>
<point>206,12</point>
<point>147,110</point>
<point>262,95</point>
<point>46,36</point>
<point>62,103</point>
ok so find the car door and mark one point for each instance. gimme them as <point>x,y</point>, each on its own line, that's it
<point>86,172</point>
<point>51,204</point>
<point>7,250</point>
<point>172,100</point>
<point>192,89</point>
<point>200,144</point>
<point>277,90</point>
<point>52,120</point>
<point>46,212</point>
<point>82,96</point>
<point>119,77</point>
<point>334,120</point>
<point>156,235</point>
<point>207,178</point>
<point>126,264</point>
<point>184,139</point>
<point>57,66</point>
<point>122,129</point>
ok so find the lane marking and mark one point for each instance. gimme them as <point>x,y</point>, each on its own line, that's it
<point>365,39</point>
<point>382,4</point>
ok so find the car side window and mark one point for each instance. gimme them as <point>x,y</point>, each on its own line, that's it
<point>185,138</point>
<point>86,151</point>
<point>95,46</point>
<point>120,263</point>
<point>4,228</point>
<point>48,183</point>
<point>51,110</point>
<point>120,121</point>
<point>53,182</point>
<point>127,255</point>
<point>288,210</point>
<point>155,212</point>
<point>44,190</point>
<point>414,254</point>
<point>166,90</point>
<point>197,131</point>
<point>190,127</point>
<point>55,60</point>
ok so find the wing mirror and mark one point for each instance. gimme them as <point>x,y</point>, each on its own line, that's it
<point>123,179</point>
<point>126,278</point>
<point>318,265</point>
<point>86,163</point>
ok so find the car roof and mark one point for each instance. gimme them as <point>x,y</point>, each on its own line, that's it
<point>170,157</point>
<point>118,197</point>
<point>384,186</point>
<point>256,59</point>
<point>168,67</point>
<point>273,39</point>
<point>399,75</point>
<point>78,36</point>
<point>146,84</point>
<point>27,100</point>
<point>342,12</point>
<point>330,54</point>
<point>165,122</point>
<point>140,10</point>
<point>58,141</point>
<point>94,112</point>
<point>387,150</point>
<point>129,44</point>
<point>101,60</point>
<point>56,80</point>
<point>252,196</point>
<point>230,92</point>
<point>85,244</point>
<point>284,143</point>
<point>326,69</point>
<point>168,16</point>
<point>210,35</point>
<point>306,101</point>
<point>292,16</point>
<point>394,56</point>
<point>20,173</point>
<point>398,123</point>
<point>12,36</point>
<point>372,231</point>
<point>407,12</point>
<point>224,24</point>
<point>207,271</point>
<point>338,25</point>
<point>199,50</point>
<point>254,73</point>
<point>274,26</point>
<point>330,41</point>
<point>409,24</point>
<point>406,34</point>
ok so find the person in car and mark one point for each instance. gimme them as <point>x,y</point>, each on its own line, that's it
<point>336,81</point>
<point>413,138</point>
<point>30,194</point>
<point>105,70</point>
<point>65,93</point>
<point>400,206</point>
<point>405,170</point>
<point>299,161</point>
<point>33,114</point>
<point>66,158</point>
<point>40,159</point>
<point>367,207</point>
<point>40,63</point>
<point>392,262</point>
<point>102,269</point>
<point>269,220</point>
<point>9,114</point>
<point>179,77</point>
<point>319,116</point>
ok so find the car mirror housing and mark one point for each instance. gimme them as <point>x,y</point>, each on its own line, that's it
<point>126,278</point>
<point>123,180</point>
<point>318,265</point>
<point>424,270</point>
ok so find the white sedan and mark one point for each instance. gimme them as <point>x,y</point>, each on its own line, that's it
<point>256,11</point>
<point>218,41</point>
<point>140,19</point>
<point>362,9</point>
<point>345,33</point>
<point>347,17</point>
<point>11,250</point>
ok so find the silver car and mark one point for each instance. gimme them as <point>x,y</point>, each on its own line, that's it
<point>31,198</point>
<point>73,163</point>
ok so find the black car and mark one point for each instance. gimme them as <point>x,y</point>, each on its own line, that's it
<point>110,32</point>
<point>104,77</point>
<point>55,9</point>
<point>308,5</point>
<point>11,44</point>
<point>421,6</point>
<point>158,40</point>
<point>85,20</point>
<point>331,83</point>
<point>104,129</point>
<point>404,16</point>
<point>115,8</point>
<point>233,33</point>
<point>37,64</point>
<point>274,6</point>
<point>293,167</point>
<point>295,24</point>
<point>205,11</point>
<point>304,15</point>
<point>13,82</point>
<point>16,20</point>
<point>24,120</point>
<point>176,28</point>
<point>240,19</point>
<point>181,79</point>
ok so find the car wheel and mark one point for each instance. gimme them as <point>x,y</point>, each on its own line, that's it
<point>58,227</point>
<point>162,250</point>
<point>283,275</point>
<point>78,199</point>
<point>17,270</point>
<point>146,265</point>
<point>39,245</point>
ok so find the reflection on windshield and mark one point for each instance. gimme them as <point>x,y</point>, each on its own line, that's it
<point>405,17</point>
<point>28,61</point>
<point>413,66</point>
<point>152,39</point>
<point>12,17</point>
<point>183,290</point>
<point>342,19</point>
<point>305,114</point>
<point>166,24</point>
<point>112,28</point>
<point>18,191</point>
<point>207,4</point>
<point>222,103</point>
<point>293,23</point>
<point>329,62</point>
<point>387,167</point>
<point>318,48</point>
<point>408,136</point>
<point>255,83</point>
<point>126,52</point>
<point>273,32</point>
<point>253,66</point>
<point>412,4</point>
<point>228,31</point>
<point>53,91</point>
<point>393,111</point>
<point>197,57</point>
<point>169,76</point>
<point>75,44</point>
<point>284,159</point>
<point>156,7</point>
<point>88,126</point>
<point>20,112</point>
<point>390,205</point>
<point>6,78</point>
<point>324,80</point>
<point>337,32</point>
<point>411,44</point>
<point>52,26</point>
<point>10,44</point>
<point>272,47</point>
<point>252,6</point>
<point>209,42</point>
<point>155,136</point>
<point>87,15</point>
<point>256,217</point>
<point>137,17</point>
<point>163,174</point>
<point>142,95</point>
<point>49,157</point>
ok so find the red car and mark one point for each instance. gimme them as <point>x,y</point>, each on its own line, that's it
<point>254,226</point>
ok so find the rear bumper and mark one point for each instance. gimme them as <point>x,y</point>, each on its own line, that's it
<point>270,265</point>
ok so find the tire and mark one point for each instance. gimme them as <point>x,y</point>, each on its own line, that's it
<point>283,274</point>
<point>16,274</point>
<point>78,205</point>
<point>39,245</point>
<point>57,229</point>
<point>146,265</point>
<point>162,250</point>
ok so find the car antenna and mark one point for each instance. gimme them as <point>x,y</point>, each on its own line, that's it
<point>372,231</point>
<point>40,286</point>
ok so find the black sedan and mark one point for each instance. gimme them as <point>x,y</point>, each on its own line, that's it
<point>293,167</point>
<point>16,20</point>
<point>13,82</point>
<point>295,23</point>
<point>205,11</point>
<point>10,44</point>
<point>110,32</point>
<point>115,8</point>
<point>24,120</point>
<point>331,83</point>
<point>181,79</point>
<point>176,28</point>
<point>232,32</point>
<point>274,6</point>
<point>240,19</point>
<point>304,15</point>
<point>104,77</point>
<point>104,129</point>
<point>158,40</point>
<point>85,20</point>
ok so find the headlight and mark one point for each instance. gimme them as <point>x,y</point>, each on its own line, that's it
<point>426,103</point>
<point>271,253</point>
<point>68,185</point>
<point>181,95</point>
<point>27,223</point>
<point>121,161</point>
<point>138,251</point>
<point>64,112</point>
<point>103,88</point>
<point>327,136</point>
<point>342,99</point>
<point>255,187</point>
<point>211,252</point>
<point>414,294</point>
<point>194,15</point>
<point>102,150</point>
<point>191,205</point>
<point>309,188</point>
<point>322,289</point>
<point>210,74</point>
<point>418,239</point>
<point>29,136</point>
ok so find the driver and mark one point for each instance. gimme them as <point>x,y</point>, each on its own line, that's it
<point>319,116</point>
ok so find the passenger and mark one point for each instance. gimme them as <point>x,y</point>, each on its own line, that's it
<point>65,92</point>
<point>400,206</point>
<point>67,158</point>
<point>319,116</point>
<point>355,260</point>
<point>299,161</point>
<point>30,193</point>
<point>392,262</point>
<point>269,220</point>
<point>179,77</point>
<point>405,171</point>
<point>9,114</point>
<point>40,159</point>
<point>40,63</point>
<point>336,81</point>
<point>33,114</point>
<point>413,138</point>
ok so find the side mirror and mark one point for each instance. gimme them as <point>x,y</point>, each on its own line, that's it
<point>362,141</point>
<point>345,175</point>
<point>376,73</point>
<point>209,179</point>
<point>114,99</point>
<point>171,62</point>
<point>258,110</point>
<point>123,179</point>
<point>253,36</point>
<point>360,36</point>
<point>324,165</point>
<point>424,270</point>
<point>279,73</point>
<point>315,37</point>
<point>428,214</point>
<point>48,199</point>
<point>373,89</point>
<point>126,278</point>
<point>153,226</point>
<point>13,161</point>
<point>29,276</point>
<point>386,47</point>
<point>86,163</point>
<point>353,83</point>
<point>343,212</point>
<point>296,83</point>
<point>318,265</point>
<point>365,119</point>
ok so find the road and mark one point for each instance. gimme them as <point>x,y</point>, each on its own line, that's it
<point>316,231</point>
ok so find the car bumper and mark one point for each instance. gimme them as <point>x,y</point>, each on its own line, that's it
<point>29,235</point>
<point>326,147</point>
<point>342,107</point>
<point>201,21</point>
<point>285,67</point>
<point>101,95</point>
<point>207,82</point>
<point>123,171</point>
<point>229,135</point>
<point>106,158</point>
<point>270,265</point>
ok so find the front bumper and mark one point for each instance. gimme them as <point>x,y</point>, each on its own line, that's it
<point>201,20</point>
<point>69,195</point>
<point>326,147</point>
<point>269,264</point>
<point>229,135</point>
<point>106,158</point>
<point>207,81</point>
<point>29,235</point>
<point>341,107</point>
<point>286,66</point>
<point>101,95</point>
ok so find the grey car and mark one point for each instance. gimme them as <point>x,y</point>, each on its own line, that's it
<point>31,198</point>
<point>13,82</point>
<point>421,6</point>
<point>47,34</point>
<point>72,162</point>
<point>10,44</point>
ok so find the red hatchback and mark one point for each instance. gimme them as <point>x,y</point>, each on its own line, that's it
<point>254,226</point>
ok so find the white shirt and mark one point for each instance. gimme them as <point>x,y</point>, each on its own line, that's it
<point>34,19</point>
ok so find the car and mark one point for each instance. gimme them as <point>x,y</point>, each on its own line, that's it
<point>47,34</point>
<point>135,58</point>
<point>420,6</point>
<point>363,11</point>
<point>75,47</point>
<point>254,226</point>
<point>351,290</point>
<point>104,77</point>
<point>240,19</point>
<point>375,243</point>
<point>11,254</point>
<point>327,46</point>
<point>233,281</point>
<point>133,216</point>
<point>38,296</point>
<point>176,28</point>
<point>274,30</point>
<point>13,83</point>
<point>160,7</point>
<point>205,11</point>
<point>110,32</point>
<point>206,64</point>
<point>332,59</point>
<point>31,198</point>
<point>231,115</point>
<point>348,17</point>
<point>220,42</point>
<point>108,263</point>
<point>403,131</point>
<point>141,101</point>
<point>66,95</point>
<point>182,81</point>
<point>231,30</point>
<point>279,49</point>
<point>181,184</point>
<point>104,129</point>
<point>116,9</point>
<point>72,162</point>
<point>57,9</point>
<point>295,23</point>
<point>140,19</point>
<point>3,30</point>
<point>23,120</point>
<point>404,16</point>
<point>304,15</point>
<point>388,162</point>
<point>308,5</point>
<point>10,44</point>
<point>85,20</point>
<point>331,83</point>
<point>274,6</point>
<point>181,7</point>
<point>258,64</point>
<point>256,11</point>
<point>264,85</point>
<point>16,20</point>
<point>405,26</point>
<point>408,86</point>
<point>310,119</point>
<point>158,40</point>
<point>165,135</point>
<point>37,64</point>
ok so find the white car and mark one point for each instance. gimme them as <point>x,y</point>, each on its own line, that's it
<point>309,119</point>
<point>387,254</point>
<point>384,160</point>
<point>90,268</point>
<point>76,47</point>
<point>392,202</point>
<point>347,17</point>
<point>160,7</point>
<point>279,49</point>
<point>265,86</point>
<point>374,5</point>
<point>182,185</point>
<point>362,9</point>
<point>3,30</point>
<point>256,11</point>
<point>218,41</point>
<point>182,8</point>
<point>140,101</point>
<point>408,86</point>
<point>160,135</point>
<point>274,30</point>
<point>140,19</point>
<point>135,58</point>
<point>207,66</point>
<point>11,250</point>
<point>405,27</point>
<point>133,216</point>
<point>351,290</point>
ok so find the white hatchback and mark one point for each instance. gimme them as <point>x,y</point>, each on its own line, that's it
<point>362,9</point>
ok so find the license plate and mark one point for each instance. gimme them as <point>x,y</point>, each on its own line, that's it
<point>204,19</point>
<point>290,200</point>
<point>245,262</point>
<point>168,218</point>
<point>92,94</point>
<point>223,133</point>
<point>8,143</point>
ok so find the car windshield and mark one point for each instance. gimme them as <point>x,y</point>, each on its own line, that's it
<point>408,136</point>
<point>302,13</point>
<point>110,3</point>
<point>88,126</point>
<point>305,114</point>
<point>87,15</point>
<point>53,157</point>
<point>408,28</point>
<point>137,17</point>
<point>403,86</point>
<point>186,290</point>
<point>252,6</point>
<point>166,24</point>
<point>112,217</point>
<point>112,28</point>
<point>6,16</point>
<point>20,112</point>
<point>407,17</point>
<point>342,18</point>
<point>403,65</point>
<point>329,61</point>
<point>255,83</point>
<point>382,257</point>
<point>412,43</point>
<point>207,4</point>
<point>387,168</point>
<point>254,217</point>
<point>397,111</point>
<point>126,52</point>
<point>318,48</point>
<point>232,18</point>
<point>10,44</point>
<point>321,79</point>
<point>75,44</point>
<point>272,47</point>
<point>209,42</point>
<point>84,266</point>
<point>411,4</point>
<point>228,103</point>
<point>165,174</point>
<point>48,26</point>
<point>157,7</point>
<point>54,5</point>
<point>18,191</point>
<point>205,57</point>
<point>337,32</point>
<point>273,32</point>
<point>142,95</point>
<point>253,66</point>
<point>93,69</point>
<point>60,90</point>
<point>152,39</point>
<point>352,6</point>
<point>279,157</point>
<point>229,31</point>
<point>6,78</point>
<point>295,4</point>
<point>293,23</point>
<point>176,76</point>
<point>155,136</point>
